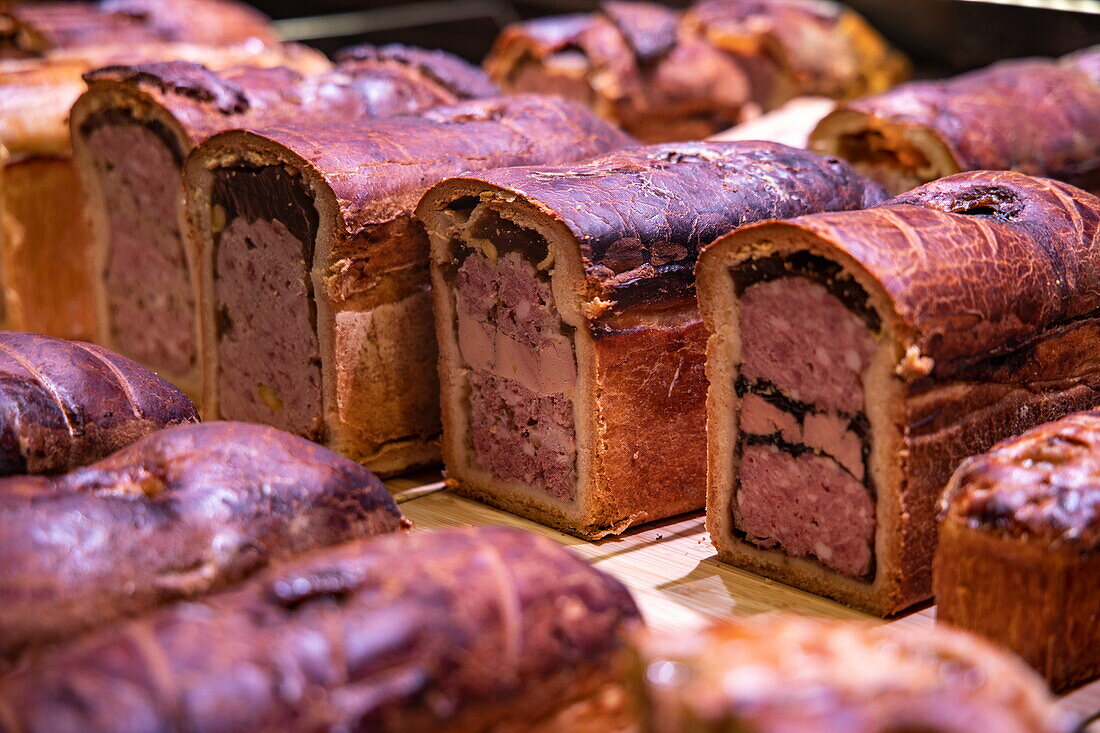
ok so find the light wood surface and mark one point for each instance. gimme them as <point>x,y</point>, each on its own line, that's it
<point>670,567</point>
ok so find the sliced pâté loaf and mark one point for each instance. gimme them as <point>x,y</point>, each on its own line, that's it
<point>316,309</point>
<point>571,350</point>
<point>855,359</point>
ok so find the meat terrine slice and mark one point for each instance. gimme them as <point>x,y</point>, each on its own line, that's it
<point>1036,116</point>
<point>678,75</point>
<point>855,359</point>
<point>132,131</point>
<point>45,235</point>
<point>180,513</point>
<point>571,350</point>
<point>1019,548</point>
<point>64,404</point>
<point>781,674</point>
<point>466,630</point>
<point>316,308</point>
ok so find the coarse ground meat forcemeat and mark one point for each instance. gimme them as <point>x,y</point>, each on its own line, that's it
<point>65,404</point>
<point>676,75</point>
<point>1035,116</point>
<point>135,126</point>
<point>35,29</point>
<point>178,514</point>
<point>450,632</point>
<point>1019,548</point>
<point>316,307</point>
<point>791,674</point>
<point>855,359</point>
<point>571,347</point>
<point>45,235</point>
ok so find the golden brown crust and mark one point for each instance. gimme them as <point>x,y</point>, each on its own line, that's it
<point>987,288</point>
<point>1018,548</point>
<point>1035,116</point>
<point>624,231</point>
<point>380,390</point>
<point>775,674</point>
<point>459,631</point>
<point>664,75</point>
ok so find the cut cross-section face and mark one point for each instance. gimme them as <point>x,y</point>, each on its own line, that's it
<point>521,367</point>
<point>268,356</point>
<point>804,486</point>
<point>150,301</point>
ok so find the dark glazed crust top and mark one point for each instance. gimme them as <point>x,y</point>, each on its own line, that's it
<point>206,102</point>
<point>366,164</point>
<point>1035,116</point>
<point>435,631</point>
<point>462,79</point>
<point>641,216</point>
<point>971,286</point>
<point>32,29</point>
<point>64,404</point>
<point>1044,484</point>
<point>180,513</point>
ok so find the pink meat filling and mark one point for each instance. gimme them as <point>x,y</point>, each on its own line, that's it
<point>824,433</point>
<point>522,372</point>
<point>807,505</point>
<point>268,354</point>
<point>149,298</point>
<point>803,340</point>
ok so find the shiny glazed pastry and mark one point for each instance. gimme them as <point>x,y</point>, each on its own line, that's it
<point>135,126</point>
<point>346,355</point>
<point>565,311</point>
<point>1036,116</point>
<point>65,404</point>
<point>666,75</point>
<point>178,514</point>
<point>789,674</point>
<point>464,630</point>
<point>855,359</point>
<point>1019,548</point>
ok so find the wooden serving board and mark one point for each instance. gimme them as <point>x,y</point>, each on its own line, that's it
<point>670,567</point>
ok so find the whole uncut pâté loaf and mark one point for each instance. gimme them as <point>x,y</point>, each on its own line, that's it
<point>464,630</point>
<point>133,129</point>
<point>178,514</point>
<point>855,359</point>
<point>34,29</point>
<point>666,75</point>
<point>1019,548</point>
<point>1036,116</point>
<point>65,404</point>
<point>784,674</point>
<point>571,350</point>
<point>346,354</point>
<point>45,235</point>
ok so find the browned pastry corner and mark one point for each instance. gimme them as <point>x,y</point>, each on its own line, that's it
<point>571,350</point>
<point>777,674</point>
<point>458,631</point>
<point>135,126</point>
<point>855,359</point>
<point>664,75</point>
<point>1036,116</point>
<point>34,29</point>
<point>65,404</point>
<point>178,514</point>
<point>1019,548</point>
<point>346,354</point>
<point>462,79</point>
<point>45,236</point>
